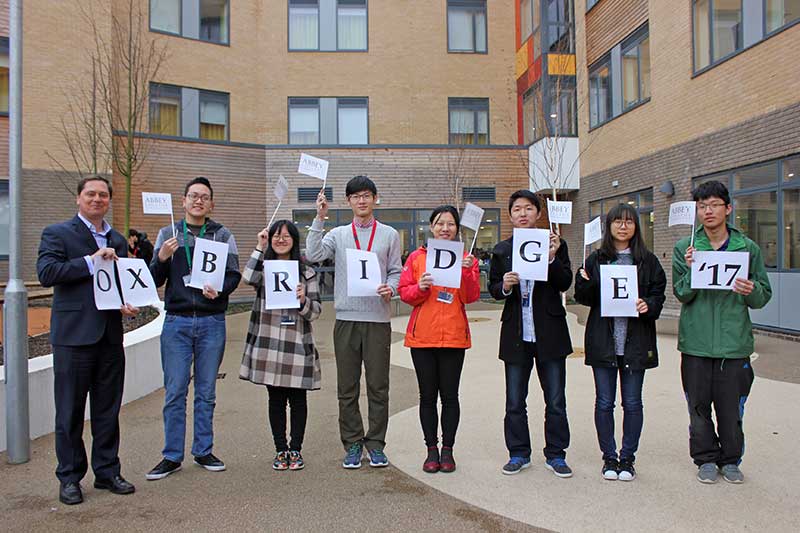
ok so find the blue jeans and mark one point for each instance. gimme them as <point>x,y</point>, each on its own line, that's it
<point>605,383</point>
<point>184,340</point>
<point>553,380</point>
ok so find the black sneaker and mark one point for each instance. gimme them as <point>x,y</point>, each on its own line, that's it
<point>610,469</point>
<point>209,462</point>
<point>163,469</point>
<point>626,470</point>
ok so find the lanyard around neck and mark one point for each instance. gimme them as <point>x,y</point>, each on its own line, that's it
<point>186,241</point>
<point>371,237</point>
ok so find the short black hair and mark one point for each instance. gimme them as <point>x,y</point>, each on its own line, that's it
<point>446,209</point>
<point>710,189</point>
<point>202,181</point>
<point>96,177</point>
<point>358,184</point>
<point>528,195</point>
<point>133,233</point>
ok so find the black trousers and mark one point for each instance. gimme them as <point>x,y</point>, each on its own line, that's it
<point>298,406</point>
<point>99,371</point>
<point>725,383</point>
<point>438,375</point>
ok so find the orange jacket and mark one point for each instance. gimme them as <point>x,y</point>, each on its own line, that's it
<point>435,324</point>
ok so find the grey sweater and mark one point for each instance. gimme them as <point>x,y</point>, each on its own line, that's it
<point>333,245</point>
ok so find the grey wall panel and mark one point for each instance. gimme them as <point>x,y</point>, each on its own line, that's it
<point>616,80</point>
<point>328,121</point>
<point>753,21</point>
<point>790,295</point>
<point>191,18</point>
<point>190,114</point>
<point>327,24</point>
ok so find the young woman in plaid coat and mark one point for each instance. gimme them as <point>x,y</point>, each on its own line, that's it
<point>279,351</point>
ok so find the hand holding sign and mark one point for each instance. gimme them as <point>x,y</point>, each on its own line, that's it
<point>106,294</point>
<point>443,261</point>
<point>720,270</point>
<point>208,264</point>
<point>530,253</point>
<point>138,287</point>
<point>619,291</point>
<point>281,279</point>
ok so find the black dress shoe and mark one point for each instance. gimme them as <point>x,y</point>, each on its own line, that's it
<point>115,484</point>
<point>70,493</point>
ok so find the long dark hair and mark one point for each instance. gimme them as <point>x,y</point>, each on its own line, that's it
<point>436,213</point>
<point>638,248</point>
<point>294,253</point>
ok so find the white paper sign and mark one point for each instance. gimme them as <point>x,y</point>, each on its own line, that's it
<point>592,232</point>
<point>719,270</point>
<point>281,188</point>
<point>363,273</point>
<point>682,213</point>
<point>619,290</point>
<point>559,212</point>
<point>443,262</point>
<point>208,264</point>
<point>472,216</point>
<point>156,203</point>
<point>530,255</point>
<point>138,287</point>
<point>313,166</point>
<point>281,279</point>
<point>106,294</point>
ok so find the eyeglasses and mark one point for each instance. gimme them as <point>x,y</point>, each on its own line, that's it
<point>712,207</point>
<point>526,209</point>
<point>193,197</point>
<point>358,197</point>
<point>281,238</point>
<point>623,222</point>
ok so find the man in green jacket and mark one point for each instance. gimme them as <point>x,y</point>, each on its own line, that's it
<point>715,338</point>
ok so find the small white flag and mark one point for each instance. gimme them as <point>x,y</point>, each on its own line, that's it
<point>682,213</point>
<point>313,166</point>
<point>281,188</point>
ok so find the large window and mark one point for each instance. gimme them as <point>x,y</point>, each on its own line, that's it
<point>718,30</point>
<point>165,109</point>
<point>600,95</point>
<point>466,26</point>
<point>558,20</point>
<point>636,69</point>
<point>525,19</point>
<point>4,77</point>
<point>328,25</point>
<point>781,13</point>
<point>766,207</point>
<point>469,120</point>
<point>328,120</point>
<point>303,25</point>
<point>352,121</point>
<point>562,120</point>
<point>213,116</point>
<point>642,201</point>
<point>303,121</point>
<point>205,20</point>
<point>532,115</point>
<point>188,112</point>
<point>351,25</point>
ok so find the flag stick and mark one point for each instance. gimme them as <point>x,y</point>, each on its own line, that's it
<point>475,236</point>
<point>274,213</point>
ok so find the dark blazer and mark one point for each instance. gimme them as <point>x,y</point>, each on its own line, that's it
<point>549,316</point>
<point>641,351</point>
<point>75,320</point>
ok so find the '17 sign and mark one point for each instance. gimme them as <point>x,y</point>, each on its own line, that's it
<point>719,270</point>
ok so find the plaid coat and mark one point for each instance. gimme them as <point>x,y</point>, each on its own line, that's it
<point>283,356</point>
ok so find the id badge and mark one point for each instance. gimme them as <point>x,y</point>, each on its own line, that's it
<point>288,320</point>
<point>445,297</point>
<point>186,279</point>
<point>526,298</point>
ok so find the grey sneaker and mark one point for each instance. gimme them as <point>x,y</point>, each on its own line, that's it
<point>708,473</point>
<point>732,474</point>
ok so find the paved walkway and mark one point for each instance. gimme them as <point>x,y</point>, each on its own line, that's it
<point>250,496</point>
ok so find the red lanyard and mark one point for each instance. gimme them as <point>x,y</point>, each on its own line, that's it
<point>371,237</point>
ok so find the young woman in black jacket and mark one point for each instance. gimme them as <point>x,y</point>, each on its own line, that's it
<point>621,346</point>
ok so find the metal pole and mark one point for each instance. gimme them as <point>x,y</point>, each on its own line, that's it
<point>15,308</point>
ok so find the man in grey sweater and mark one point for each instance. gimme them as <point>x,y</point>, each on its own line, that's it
<point>362,333</point>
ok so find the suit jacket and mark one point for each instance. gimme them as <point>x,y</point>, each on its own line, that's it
<point>549,316</point>
<point>75,320</point>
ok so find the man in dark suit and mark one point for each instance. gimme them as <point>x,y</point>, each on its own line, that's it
<point>87,344</point>
<point>534,331</point>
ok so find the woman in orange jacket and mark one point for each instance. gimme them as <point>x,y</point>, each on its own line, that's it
<point>438,335</point>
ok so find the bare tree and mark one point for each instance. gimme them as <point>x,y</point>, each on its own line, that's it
<point>459,170</point>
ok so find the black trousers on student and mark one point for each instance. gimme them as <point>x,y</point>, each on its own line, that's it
<point>298,407</point>
<point>725,383</point>
<point>438,375</point>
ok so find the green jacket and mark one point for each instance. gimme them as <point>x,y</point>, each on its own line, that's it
<point>716,323</point>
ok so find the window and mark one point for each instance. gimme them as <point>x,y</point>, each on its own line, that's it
<point>558,17</point>
<point>791,229</point>
<point>756,176</point>
<point>352,121</point>
<point>469,120</point>
<point>213,116</point>
<point>590,4</point>
<point>600,96</point>
<point>165,109</point>
<point>303,25</point>
<point>303,121</point>
<point>5,212</point>
<point>781,13</point>
<point>642,201</point>
<point>466,26</point>
<point>205,20</point>
<point>4,77</point>
<point>351,25</point>
<point>165,15</point>
<point>531,115</point>
<point>525,19</point>
<point>636,69</point>
<point>718,30</point>
<point>562,120</point>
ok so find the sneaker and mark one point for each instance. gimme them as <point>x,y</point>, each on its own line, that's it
<point>707,473</point>
<point>163,469</point>
<point>296,461</point>
<point>281,461</point>
<point>448,464</point>
<point>377,458</point>
<point>431,464</point>
<point>732,474</point>
<point>626,470</point>
<point>609,471</point>
<point>515,464</point>
<point>210,462</point>
<point>353,457</point>
<point>559,467</point>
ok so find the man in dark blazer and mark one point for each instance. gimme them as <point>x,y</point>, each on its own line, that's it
<point>534,331</point>
<point>88,357</point>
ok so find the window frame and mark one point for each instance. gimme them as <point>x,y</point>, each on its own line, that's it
<point>769,33</point>
<point>473,6</point>
<point>181,34</point>
<point>289,25</point>
<point>604,61</point>
<point>5,49</point>
<point>366,22</point>
<point>227,23</point>
<point>296,101</point>
<point>740,37</point>
<point>475,105</point>
<point>635,40</point>
<point>350,103</point>
<point>214,96</point>
<point>152,90</point>
<point>165,32</point>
